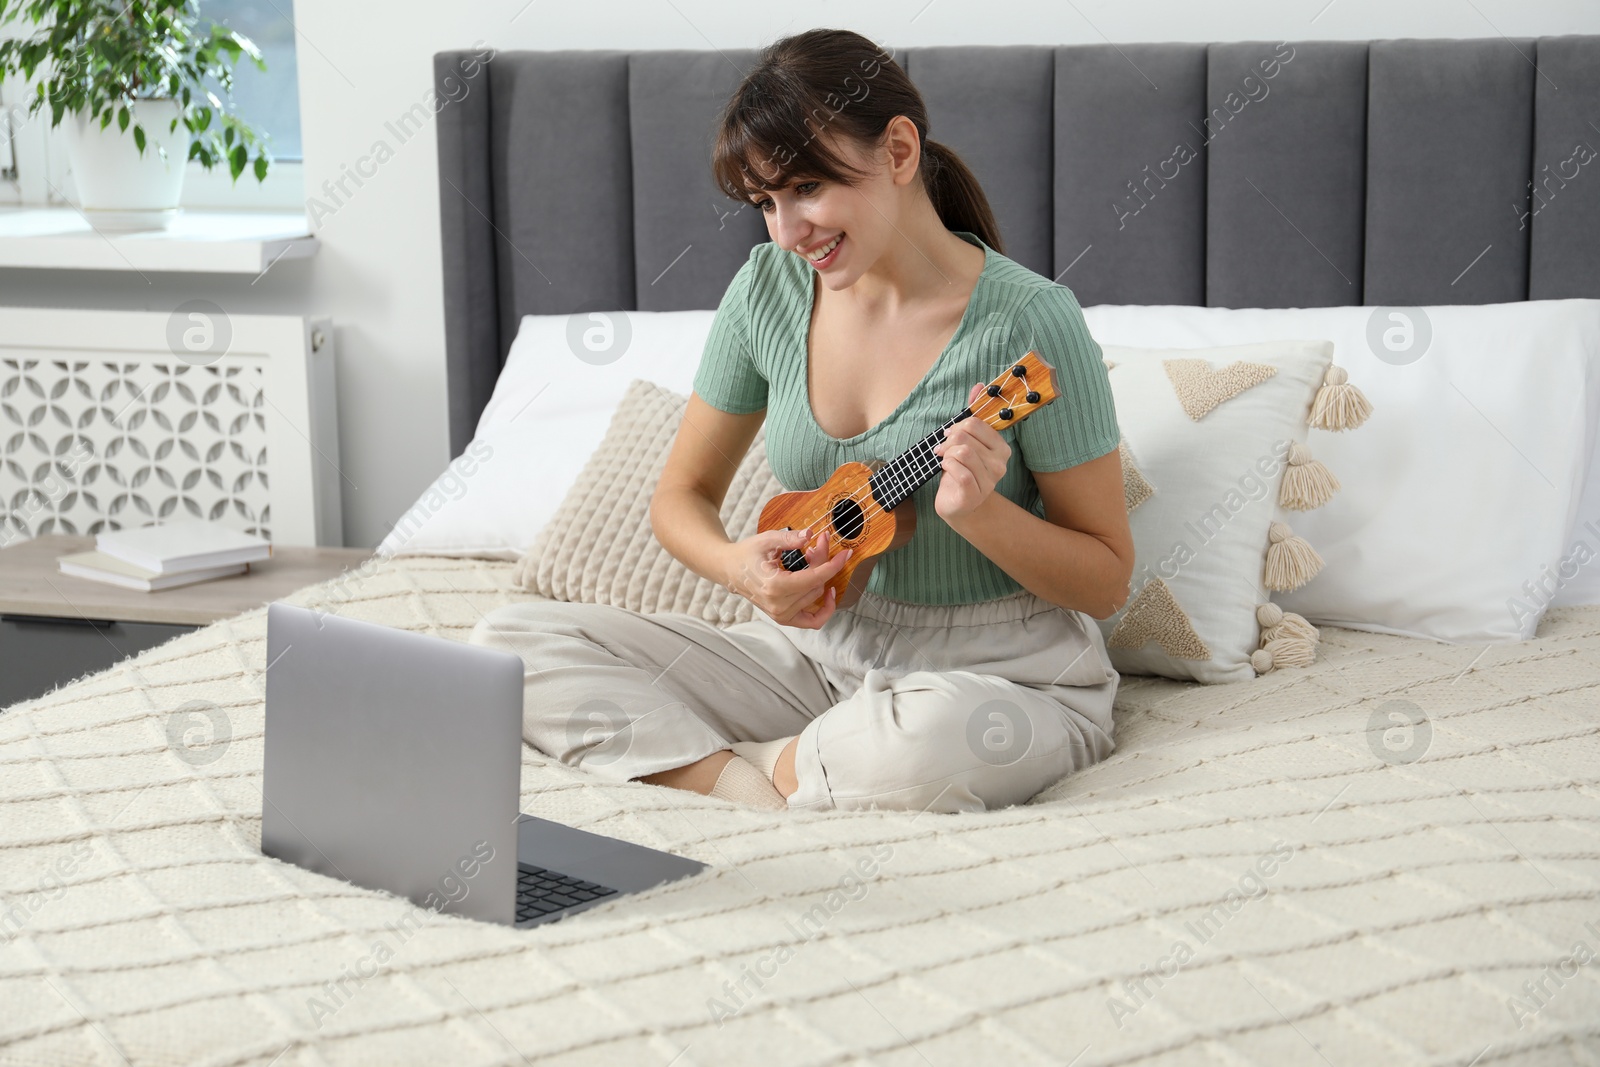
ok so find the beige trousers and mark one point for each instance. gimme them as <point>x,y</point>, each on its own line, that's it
<point>903,706</point>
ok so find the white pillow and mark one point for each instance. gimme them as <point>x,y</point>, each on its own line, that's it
<point>564,378</point>
<point>1464,483</point>
<point>1208,434</point>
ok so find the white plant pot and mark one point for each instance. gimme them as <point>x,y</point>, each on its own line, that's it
<point>118,189</point>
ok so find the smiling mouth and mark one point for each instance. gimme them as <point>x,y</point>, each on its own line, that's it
<point>826,252</point>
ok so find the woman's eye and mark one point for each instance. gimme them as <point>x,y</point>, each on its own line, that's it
<point>803,188</point>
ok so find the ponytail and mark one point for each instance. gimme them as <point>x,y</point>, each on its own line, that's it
<point>956,194</point>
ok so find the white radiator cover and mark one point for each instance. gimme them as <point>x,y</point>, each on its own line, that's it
<point>117,419</point>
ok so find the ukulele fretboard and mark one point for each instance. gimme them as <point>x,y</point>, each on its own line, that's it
<point>910,470</point>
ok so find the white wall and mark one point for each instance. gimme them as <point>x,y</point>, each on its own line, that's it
<point>378,273</point>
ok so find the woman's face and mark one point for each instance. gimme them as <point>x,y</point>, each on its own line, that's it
<point>839,229</point>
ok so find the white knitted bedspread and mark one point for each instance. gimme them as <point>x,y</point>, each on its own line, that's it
<point>1136,913</point>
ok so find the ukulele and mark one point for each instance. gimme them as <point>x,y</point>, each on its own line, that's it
<point>863,506</point>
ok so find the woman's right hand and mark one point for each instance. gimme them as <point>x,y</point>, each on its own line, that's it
<point>760,578</point>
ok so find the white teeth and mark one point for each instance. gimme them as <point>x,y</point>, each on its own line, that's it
<point>822,253</point>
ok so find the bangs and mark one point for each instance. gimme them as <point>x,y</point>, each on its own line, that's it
<point>764,145</point>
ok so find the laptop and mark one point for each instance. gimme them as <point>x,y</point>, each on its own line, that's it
<point>393,761</point>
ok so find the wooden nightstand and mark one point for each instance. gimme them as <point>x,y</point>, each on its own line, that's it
<point>54,628</point>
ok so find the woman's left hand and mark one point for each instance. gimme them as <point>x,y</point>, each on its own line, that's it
<point>973,457</point>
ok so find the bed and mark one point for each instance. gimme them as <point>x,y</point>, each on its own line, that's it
<point>1257,874</point>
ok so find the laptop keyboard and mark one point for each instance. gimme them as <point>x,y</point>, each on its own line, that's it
<point>542,892</point>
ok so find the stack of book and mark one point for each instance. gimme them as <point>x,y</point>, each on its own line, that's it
<point>170,554</point>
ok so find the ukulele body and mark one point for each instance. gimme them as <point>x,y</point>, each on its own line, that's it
<point>845,507</point>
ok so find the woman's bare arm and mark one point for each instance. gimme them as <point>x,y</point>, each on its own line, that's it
<point>1080,555</point>
<point>685,512</point>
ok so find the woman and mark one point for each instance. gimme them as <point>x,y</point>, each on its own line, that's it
<point>968,673</point>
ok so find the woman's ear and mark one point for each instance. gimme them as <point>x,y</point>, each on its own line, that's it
<point>904,147</point>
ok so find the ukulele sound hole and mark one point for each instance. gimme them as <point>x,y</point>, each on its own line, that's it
<point>847,519</point>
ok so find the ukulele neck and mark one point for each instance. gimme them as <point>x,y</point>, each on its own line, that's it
<point>910,470</point>
<point>1010,398</point>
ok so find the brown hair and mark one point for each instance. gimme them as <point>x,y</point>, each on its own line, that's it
<point>842,81</point>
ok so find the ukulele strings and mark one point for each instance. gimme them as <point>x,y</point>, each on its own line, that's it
<point>871,511</point>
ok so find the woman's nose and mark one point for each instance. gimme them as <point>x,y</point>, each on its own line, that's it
<point>788,228</point>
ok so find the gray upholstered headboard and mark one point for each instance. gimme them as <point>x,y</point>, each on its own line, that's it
<point>1398,172</point>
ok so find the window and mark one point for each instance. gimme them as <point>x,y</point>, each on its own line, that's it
<point>269,101</point>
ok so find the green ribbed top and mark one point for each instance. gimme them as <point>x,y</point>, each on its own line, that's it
<point>755,357</point>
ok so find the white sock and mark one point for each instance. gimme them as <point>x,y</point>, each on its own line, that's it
<point>744,784</point>
<point>763,755</point>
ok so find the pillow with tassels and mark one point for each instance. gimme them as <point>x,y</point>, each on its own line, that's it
<point>1214,467</point>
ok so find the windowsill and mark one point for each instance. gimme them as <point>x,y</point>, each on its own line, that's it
<point>200,240</point>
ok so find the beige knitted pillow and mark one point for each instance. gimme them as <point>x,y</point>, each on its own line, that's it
<point>598,548</point>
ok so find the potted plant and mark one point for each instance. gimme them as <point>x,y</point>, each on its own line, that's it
<point>136,79</point>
